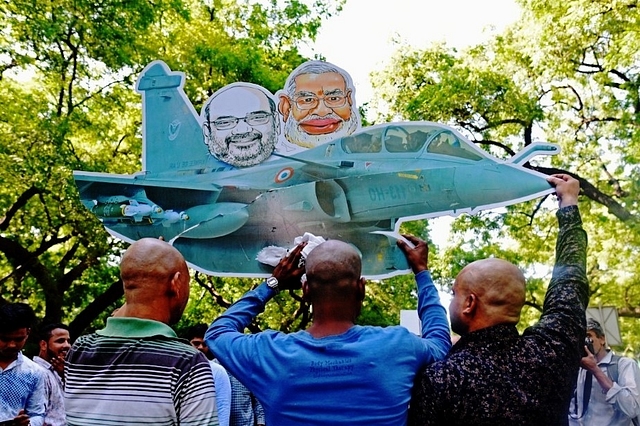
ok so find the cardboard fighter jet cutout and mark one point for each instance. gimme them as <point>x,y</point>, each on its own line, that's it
<point>357,186</point>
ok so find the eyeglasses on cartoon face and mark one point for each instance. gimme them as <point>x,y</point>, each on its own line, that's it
<point>307,102</point>
<point>252,119</point>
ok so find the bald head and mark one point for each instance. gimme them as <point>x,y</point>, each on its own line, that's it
<point>149,260</point>
<point>333,268</point>
<point>155,276</point>
<point>498,289</point>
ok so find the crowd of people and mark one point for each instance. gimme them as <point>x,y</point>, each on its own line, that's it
<point>137,371</point>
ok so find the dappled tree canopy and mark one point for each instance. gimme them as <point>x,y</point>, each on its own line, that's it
<point>567,72</point>
<point>67,70</point>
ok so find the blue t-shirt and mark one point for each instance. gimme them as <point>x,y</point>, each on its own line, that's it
<point>361,377</point>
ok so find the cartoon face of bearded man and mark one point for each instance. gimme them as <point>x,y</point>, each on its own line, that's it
<point>241,126</point>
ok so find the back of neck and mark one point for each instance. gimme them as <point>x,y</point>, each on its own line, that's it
<point>320,329</point>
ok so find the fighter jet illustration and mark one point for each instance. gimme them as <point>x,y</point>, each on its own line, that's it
<point>358,188</point>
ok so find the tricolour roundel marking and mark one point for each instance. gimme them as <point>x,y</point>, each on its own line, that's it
<point>284,175</point>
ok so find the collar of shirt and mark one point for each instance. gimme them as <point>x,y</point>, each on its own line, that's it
<point>494,335</point>
<point>135,328</point>
<point>14,364</point>
<point>43,363</point>
<point>606,360</point>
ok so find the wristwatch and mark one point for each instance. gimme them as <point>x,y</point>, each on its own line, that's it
<point>272,283</point>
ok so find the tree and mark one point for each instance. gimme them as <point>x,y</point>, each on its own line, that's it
<point>568,72</point>
<point>67,70</point>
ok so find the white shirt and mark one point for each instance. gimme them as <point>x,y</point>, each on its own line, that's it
<point>613,408</point>
<point>54,411</point>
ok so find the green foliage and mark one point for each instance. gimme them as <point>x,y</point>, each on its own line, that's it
<point>67,70</point>
<point>567,72</point>
<point>385,299</point>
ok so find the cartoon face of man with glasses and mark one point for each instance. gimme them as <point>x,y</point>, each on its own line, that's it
<point>240,124</point>
<point>317,104</point>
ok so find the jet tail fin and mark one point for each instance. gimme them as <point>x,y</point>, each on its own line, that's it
<point>171,131</point>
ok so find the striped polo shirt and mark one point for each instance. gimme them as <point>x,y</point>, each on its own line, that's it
<point>138,372</point>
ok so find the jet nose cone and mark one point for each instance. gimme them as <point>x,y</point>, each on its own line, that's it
<point>499,185</point>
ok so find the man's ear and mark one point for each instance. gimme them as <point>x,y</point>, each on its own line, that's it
<point>43,346</point>
<point>349,98</point>
<point>206,132</point>
<point>276,121</point>
<point>284,107</point>
<point>470,304</point>
<point>361,288</point>
<point>175,286</point>
<point>305,290</point>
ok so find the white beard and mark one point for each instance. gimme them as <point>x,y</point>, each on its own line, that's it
<point>244,156</point>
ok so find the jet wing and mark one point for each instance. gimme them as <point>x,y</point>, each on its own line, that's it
<point>195,182</point>
<point>133,207</point>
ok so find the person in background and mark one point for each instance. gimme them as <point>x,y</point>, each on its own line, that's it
<point>195,336</point>
<point>613,398</point>
<point>241,406</point>
<point>136,371</point>
<point>246,410</point>
<point>493,375</point>
<point>335,372</point>
<point>54,343</point>
<point>22,381</point>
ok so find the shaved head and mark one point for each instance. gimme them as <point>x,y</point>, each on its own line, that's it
<point>153,272</point>
<point>149,260</point>
<point>498,288</point>
<point>333,269</point>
